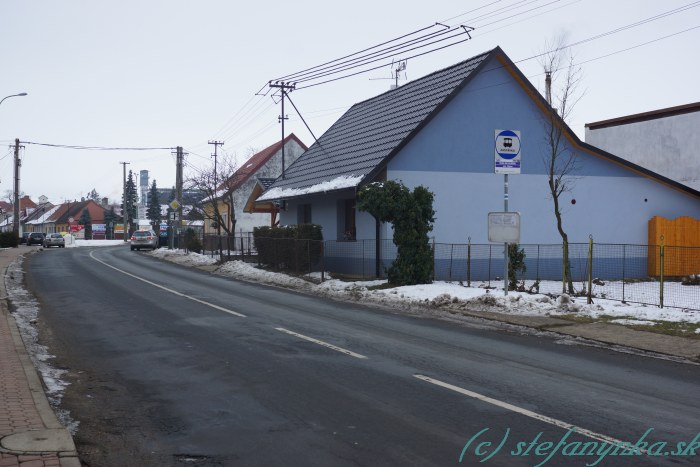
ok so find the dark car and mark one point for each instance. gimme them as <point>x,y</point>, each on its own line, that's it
<point>144,239</point>
<point>23,238</point>
<point>35,238</point>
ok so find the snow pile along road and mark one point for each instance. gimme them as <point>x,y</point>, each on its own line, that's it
<point>447,295</point>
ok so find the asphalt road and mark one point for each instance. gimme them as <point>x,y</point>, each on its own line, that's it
<point>174,366</point>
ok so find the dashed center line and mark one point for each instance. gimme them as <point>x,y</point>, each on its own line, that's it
<point>520,410</point>
<point>174,292</point>
<point>325,344</point>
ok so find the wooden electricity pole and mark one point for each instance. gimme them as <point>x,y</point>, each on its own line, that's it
<point>15,217</point>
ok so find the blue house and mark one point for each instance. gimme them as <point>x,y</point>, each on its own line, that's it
<point>439,132</point>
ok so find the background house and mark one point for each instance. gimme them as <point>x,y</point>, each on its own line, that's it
<point>439,132</point>
<point>264,164</point>
<point>665,141</point>
<point>67,218</point>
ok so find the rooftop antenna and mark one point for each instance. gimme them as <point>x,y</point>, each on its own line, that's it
<point>396,68</point>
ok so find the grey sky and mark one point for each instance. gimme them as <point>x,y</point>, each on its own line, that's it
<point>165,73</point>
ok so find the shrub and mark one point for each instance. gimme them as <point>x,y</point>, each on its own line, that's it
<point>516,265</point>
<point>412,215</point>
<point>8,240</point>
<point>293,247</point>
<point>192,242</point>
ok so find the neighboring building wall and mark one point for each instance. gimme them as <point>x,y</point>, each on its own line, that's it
<point>245,222</point>
<point>143,193</point>
<point>667,144</point>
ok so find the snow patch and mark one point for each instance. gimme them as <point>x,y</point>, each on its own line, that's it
<point>338,183</point>
<point>448,295</point>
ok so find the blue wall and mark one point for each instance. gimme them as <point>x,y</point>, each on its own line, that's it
<point>324,211</point>
<point>453,156</point>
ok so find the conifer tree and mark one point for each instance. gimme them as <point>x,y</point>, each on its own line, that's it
<point>86,221</point>
<point>153,212</point>
<point>110,220</point>
<point>131,203</point>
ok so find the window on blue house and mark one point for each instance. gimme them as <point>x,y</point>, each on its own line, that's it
<point>304,214</point>
<point>346,220</point>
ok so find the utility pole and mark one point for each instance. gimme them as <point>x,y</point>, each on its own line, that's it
<point>216,187</point>
<point>124,215</point>
<point>18,163</point>
<point>283,87</point>
<point>178,189</point>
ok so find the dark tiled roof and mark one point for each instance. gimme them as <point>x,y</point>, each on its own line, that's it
<point>372,131</point>
<point>266,183</point>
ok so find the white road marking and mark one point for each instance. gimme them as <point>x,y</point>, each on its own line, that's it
<point>174,292</point>
<point>527,413</point>
<point>325,344</point>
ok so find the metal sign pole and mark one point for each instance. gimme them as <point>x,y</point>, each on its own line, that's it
<point>505,245</point>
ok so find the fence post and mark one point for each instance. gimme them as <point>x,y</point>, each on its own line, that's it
<point>624,260</point>
<point>469,262</point>
<point>563,269</point>
<point>433,279</point>
<point>308,253</point>
<point>590,269</point>
<point>661,281</point>
<point>323,261</point>
<point>452,250</point>
<point>537,275</point>
<point>490,246</point>
<point>363,259</point>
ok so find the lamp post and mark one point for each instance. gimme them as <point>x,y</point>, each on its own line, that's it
<point>13,95</point>
<point>15,219</point>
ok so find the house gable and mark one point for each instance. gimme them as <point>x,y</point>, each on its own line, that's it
<point>256,163</point>
<point>355,147</point>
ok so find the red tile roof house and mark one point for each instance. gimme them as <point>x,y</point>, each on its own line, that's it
<point>264,164</point>
<point>26,205</point>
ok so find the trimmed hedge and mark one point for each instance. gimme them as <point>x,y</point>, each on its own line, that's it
<point>8,240</point>
<point>296,248</point>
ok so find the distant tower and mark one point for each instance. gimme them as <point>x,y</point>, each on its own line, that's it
<point>143,193</point>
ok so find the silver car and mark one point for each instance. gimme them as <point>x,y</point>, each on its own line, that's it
<point>144,239</point>
<point>54,239</point>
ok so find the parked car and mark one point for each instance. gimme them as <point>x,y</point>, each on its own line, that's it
<point>144,239</point>
<point>35,238</point>
<point>54,239</point>
<point>23,238</point>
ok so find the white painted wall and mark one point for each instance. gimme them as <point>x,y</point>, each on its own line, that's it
<point>668,146</point>
<point>246,222</point>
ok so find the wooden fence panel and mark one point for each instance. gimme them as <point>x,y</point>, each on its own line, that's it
<point>677,235</point>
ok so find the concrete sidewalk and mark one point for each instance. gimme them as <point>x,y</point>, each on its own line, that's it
<point>30,433</point>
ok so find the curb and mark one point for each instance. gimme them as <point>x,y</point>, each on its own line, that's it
<point>55,439</point>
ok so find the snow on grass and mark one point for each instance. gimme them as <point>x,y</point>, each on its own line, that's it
<point>479,297</point>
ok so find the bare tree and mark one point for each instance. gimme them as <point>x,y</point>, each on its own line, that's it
<point>217,185</point>
<point>562,80</point>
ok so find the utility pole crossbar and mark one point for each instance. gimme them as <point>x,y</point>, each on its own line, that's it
<point>285,88</point>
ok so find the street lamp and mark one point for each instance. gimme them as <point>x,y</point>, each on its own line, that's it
<point>15,219</point>
<point>13,95</point>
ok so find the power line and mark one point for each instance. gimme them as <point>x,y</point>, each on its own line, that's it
<point>617,30</point>
<point>96,148</point>
<point>359,67</point>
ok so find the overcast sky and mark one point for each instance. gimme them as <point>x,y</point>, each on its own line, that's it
<point>166,73</point>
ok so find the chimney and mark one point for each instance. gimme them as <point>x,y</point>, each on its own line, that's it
<point>105,201</point>
<point>548,86</point>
